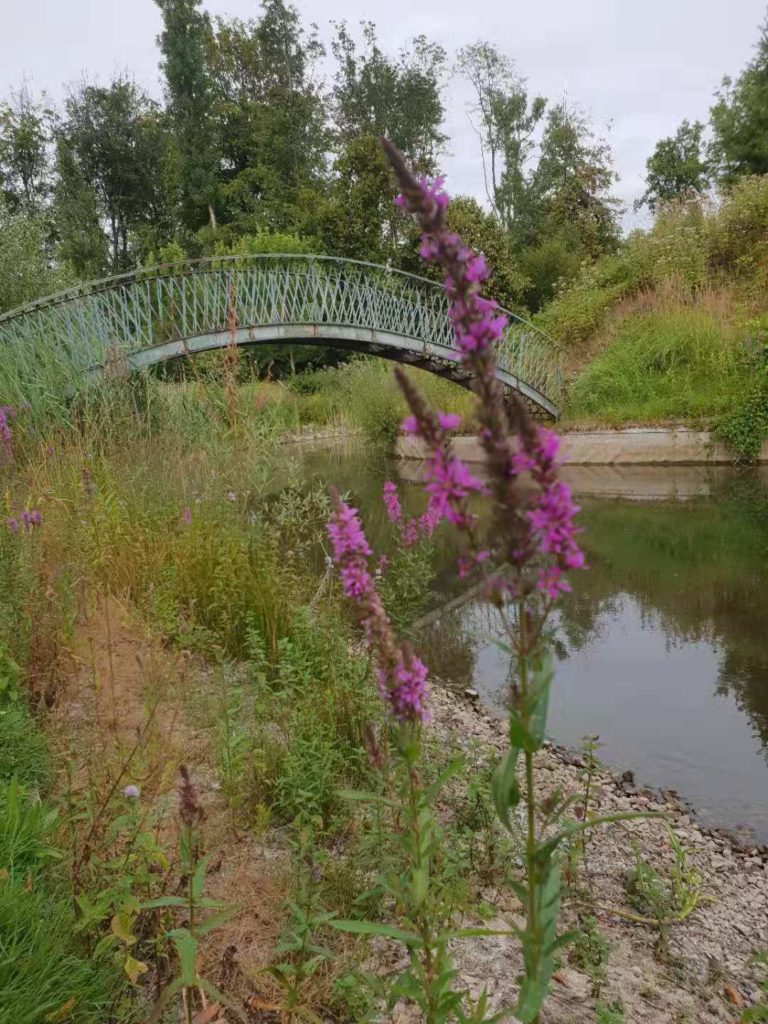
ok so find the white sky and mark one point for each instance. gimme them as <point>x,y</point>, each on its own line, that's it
<point>637,69</point>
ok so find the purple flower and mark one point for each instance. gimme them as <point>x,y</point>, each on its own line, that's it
<point>402,678</point>
<point>7,413</point>
<point>405,688</point>
<point>131,792</point>
<point>29,520</point>
<point>392,502</point>
<point>538,529</point>
<point>449,420</point>
<point>185,519</point>
<point>231,496</point>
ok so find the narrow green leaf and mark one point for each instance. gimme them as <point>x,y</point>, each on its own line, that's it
<point>541,682</point>
<point>546,849</point>
<point>164,901</point>
<point>214,921</point>
<point>419,885</point>
<point>375,928</point>
<point>504,786</point>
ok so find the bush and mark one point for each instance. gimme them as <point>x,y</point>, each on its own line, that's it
<point>737,235</point>
<point>744,427</point>
<point>577,314</point>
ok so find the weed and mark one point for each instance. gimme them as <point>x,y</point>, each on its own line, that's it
<point>302,954</point>
<point>591,951</point>
<point>186,937</point>
<point>36,925</point>
<point>661,900</point>
<point>23,751</point>
<point>758,1014</point>
<point>609,1013</point>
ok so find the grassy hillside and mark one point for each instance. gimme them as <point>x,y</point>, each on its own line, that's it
<point>675,326</point>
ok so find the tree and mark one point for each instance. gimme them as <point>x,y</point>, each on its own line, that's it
<point>26,273</point>
<point>81,242</point>
<point>269,116</point>
<point>25,164</point>
<point>375,94</point>
<point>359,219</point>
<point>194,159</point>
<point>114,141</point>
<point>505,120</point>
<point>570,187</point>
<point>482,230</point>
<point>677,169</point>
<point>739,120</point>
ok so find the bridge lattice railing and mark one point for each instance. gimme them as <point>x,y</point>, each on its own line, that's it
<point>56,341</point>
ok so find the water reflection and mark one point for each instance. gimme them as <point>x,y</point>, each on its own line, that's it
<point>661,647</point>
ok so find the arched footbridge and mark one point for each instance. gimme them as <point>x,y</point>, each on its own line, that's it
<point>135,321</point>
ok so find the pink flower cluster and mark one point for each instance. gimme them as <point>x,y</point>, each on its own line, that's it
<point>402,677</point>
<point>449,481</point>
<point>414,528</point>
<point>552,514</point>
<point>7,413</point>
<point>540,527</point>
<point>27,522</point>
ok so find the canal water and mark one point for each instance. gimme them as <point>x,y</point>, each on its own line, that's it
<point>662,648</point>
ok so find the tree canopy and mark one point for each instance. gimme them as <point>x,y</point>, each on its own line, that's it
<point>264,132</point>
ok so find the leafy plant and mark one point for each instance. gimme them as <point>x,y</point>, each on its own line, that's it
<point>591,951</point>
<point>758,1014</point>
<point>298,947</point>
<point>609,1013</point>
<point>664,899</point>
<point>745,426</point>
<point>186,937</point>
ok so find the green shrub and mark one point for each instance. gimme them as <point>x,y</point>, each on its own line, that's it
<point>737,235</point>
<point>291,730</point>
<point>744,427</point>
<point>577,314</point>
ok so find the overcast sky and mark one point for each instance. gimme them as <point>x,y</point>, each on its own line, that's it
<point>638,68</point>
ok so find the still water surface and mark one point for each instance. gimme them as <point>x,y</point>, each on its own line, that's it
<point>661,650</point>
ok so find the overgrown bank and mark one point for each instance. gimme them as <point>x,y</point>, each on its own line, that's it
<point>673,327</point>
<point>171,605</point>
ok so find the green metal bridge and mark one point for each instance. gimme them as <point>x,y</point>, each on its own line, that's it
<point>135,321</point>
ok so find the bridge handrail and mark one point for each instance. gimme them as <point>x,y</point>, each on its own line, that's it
<point>189,267</point>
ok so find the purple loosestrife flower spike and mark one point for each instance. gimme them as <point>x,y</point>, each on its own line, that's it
<point>190,808</point>
<point>392,502</point>
<point>7,412</point>
<point>401,676</point>
<point>538,528</point>
<point>412,529</point>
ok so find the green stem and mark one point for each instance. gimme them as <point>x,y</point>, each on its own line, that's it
<point>422,920</point>
<point>530,800</point>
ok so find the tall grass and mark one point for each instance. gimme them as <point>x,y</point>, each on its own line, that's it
<point>662,364</point>
<point>43,974</point>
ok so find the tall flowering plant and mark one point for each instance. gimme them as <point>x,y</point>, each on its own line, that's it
<point>535,535</point>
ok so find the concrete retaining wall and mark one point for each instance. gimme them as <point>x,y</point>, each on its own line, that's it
<point>635,445</point>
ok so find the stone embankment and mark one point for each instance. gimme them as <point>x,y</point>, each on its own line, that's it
<point>637,446</point>
<point>700,970</point>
